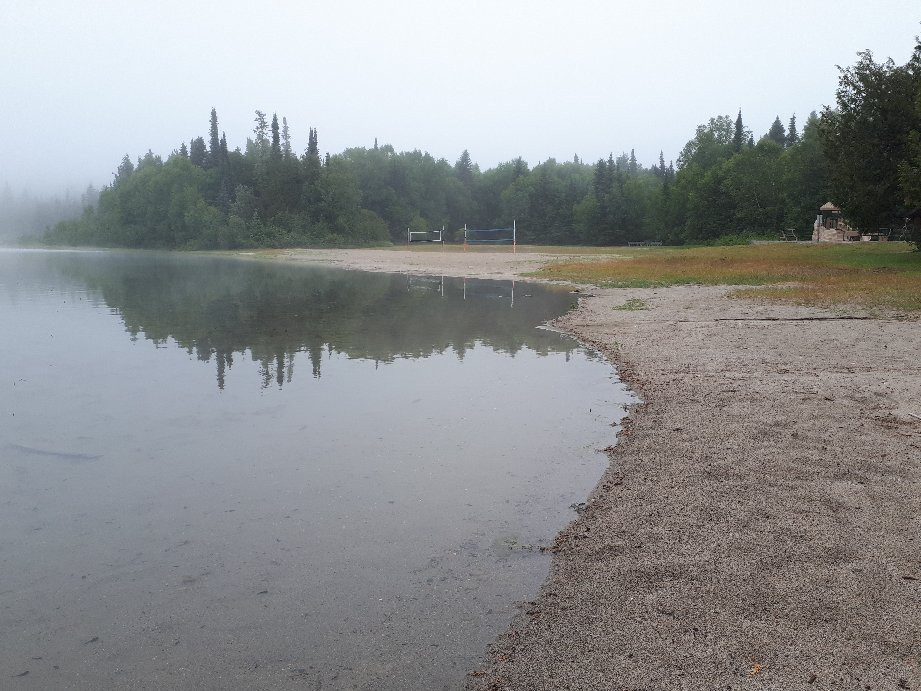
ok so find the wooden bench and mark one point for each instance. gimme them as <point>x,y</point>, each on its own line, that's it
<point>789,235</point>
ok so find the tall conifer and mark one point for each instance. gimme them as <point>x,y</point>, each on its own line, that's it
<point>739,137</point>
<point>777,133</point>
<point>214,148</point>
<point>792,134</point>
<point>276,140</point>
<point>285,138</point>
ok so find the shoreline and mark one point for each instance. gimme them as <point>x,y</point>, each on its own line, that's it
<point>759,523</point>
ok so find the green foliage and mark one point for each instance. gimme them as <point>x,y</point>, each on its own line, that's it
<point>777,133</point>
<point>631,305</point>
<point>864,155</point>
<point>792,133</point>
<point>870,138</point>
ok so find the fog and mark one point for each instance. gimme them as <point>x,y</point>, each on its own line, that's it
<point>85,83</point>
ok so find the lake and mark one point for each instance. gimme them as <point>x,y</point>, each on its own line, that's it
<point>227,473</point>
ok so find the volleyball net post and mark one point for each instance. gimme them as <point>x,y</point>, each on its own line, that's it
<point>426,236</point>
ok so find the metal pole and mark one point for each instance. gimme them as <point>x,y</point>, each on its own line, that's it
<point>465,241</point>
<point>514,236</point>
<point>409,239</point>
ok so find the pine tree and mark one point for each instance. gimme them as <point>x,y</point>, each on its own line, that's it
<point>632,166</point>
<point>601,179</point>
<point>214,149</point>
<point>184,151</point>
<point>285,138</point>
<point>777,133</point>
<point>738,137</point>
<point>312,159</point>
<point>261,130</point>
<point>792,134</point>
<point>464,167</point>
<point>661,169</point>
<point>276,140</point>
<point>125,169</point>
<point>198,154</point>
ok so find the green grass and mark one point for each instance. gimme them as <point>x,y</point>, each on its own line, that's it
<point>872,275</point>
<point>631,305</point>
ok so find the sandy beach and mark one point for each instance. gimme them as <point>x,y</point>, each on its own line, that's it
<point>759,525</point>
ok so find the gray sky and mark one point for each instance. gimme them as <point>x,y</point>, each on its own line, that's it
<point>84,82</point>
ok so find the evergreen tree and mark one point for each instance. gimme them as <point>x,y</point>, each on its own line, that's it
<point>214,149</point>
<point>261,130</point>
<point>792,134</point>
<point>867,137</point>
<point>777,134</point>
<point>312,172</point>
<point>198,154</point>
<point>183,150</point>
<point>276,140</point>
<point>464,167</point>
<point>738,137</point>
<point>125,169</point>
<point>632,166</point>
<point>285,138</point>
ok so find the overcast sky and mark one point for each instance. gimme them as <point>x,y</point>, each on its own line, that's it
<point>85,81</point>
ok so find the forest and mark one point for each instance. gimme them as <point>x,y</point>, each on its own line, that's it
<point>863,153</point>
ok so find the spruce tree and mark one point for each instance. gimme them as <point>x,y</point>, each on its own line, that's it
<point>312,164</point>
<point>738,138</point>
<point>792,134</point>
<point>632,166</point>
<point>464,167</point>
<point>183,151</point>
<point>276,140</point>
<point>125,169</point>
<point>777,133</point>
<point>198,154</point>
<point>285,138</point>
<point>214,148</point>
<point>261,130</point>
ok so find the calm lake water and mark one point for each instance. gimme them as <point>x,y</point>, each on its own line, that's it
<point>221,473</point>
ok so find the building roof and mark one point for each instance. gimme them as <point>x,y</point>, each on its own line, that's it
<point>831,208</point>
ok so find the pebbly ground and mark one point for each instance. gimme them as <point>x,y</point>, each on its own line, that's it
<point>759,525</point>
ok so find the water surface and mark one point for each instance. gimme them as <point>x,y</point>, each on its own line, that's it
<point>223,473</point>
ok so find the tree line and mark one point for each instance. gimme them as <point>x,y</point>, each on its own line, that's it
<point>864,154</point>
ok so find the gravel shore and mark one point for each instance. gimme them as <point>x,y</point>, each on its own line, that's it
<point>759,525</point>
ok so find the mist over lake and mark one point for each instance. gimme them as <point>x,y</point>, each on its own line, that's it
<point>224,472</point>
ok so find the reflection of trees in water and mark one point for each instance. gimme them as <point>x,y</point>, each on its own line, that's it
<point>217,308</point>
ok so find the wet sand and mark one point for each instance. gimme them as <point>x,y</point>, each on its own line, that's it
<point>759,525</point>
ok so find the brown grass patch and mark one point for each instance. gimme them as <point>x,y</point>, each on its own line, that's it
<point>877,275</point>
